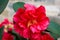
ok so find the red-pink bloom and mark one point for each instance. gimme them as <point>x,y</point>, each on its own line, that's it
<point>7,27</point>
<point>30,19</point>
<point>6,22</point>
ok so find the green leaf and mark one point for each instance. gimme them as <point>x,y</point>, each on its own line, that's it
<point>18,5</point>
<point>17,36</point>
<point>54,28</point>
<point>55,36</point>
<point>3,4</point>
<point>1,32</point>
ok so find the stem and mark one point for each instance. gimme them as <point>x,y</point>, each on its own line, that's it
<point>27,39</point>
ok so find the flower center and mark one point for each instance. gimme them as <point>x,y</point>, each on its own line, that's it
<point>6,27</point>
<point>31,22</point>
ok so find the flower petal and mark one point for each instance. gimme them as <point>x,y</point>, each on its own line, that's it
<point>29,7</point>
<point>43,24</point>
<point>41,9</point>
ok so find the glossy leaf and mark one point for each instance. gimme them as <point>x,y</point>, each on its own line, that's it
<point>3,4</point>
<point>1,33</point>
<point>18,5</point>
<point>54,28</point>
<point>55,36</point>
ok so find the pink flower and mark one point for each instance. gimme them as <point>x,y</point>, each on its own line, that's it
<point>7,27</point>
<point>30,20</point>
<point>5,22</point>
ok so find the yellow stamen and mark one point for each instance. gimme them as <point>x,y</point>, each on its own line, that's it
<point>31,22</point>
<point>6,27</point>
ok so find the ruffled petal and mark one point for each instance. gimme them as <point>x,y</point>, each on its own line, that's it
<point>42,25</point>
<point>41,9</point>
<point>29,7</point>
<point>26,33</point>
